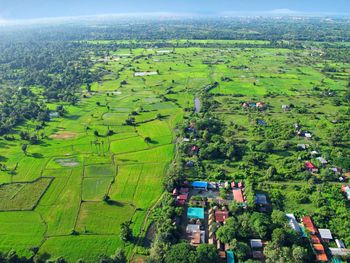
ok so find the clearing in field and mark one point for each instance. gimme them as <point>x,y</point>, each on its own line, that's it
<point>64,135</point>
<point>145,73</point>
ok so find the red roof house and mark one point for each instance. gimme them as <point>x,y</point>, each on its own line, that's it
<point>194,148</point>
<point>181,199</point>
<point>221,216</point>
<point>238,195</point>
<point>309,165</point>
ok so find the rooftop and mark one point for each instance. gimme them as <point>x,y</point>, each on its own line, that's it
<point>200,184</point>
<point>192,227</point>
<point>238,195</point>
<point>320,252</point>
<point>221,216</point>
<point>256,243</point>
<point>230,256</point>
<point>309,224</point>
<point>293,222</point>
<point>195,212</point>
<point>261,199</point>
<point>325,233</point>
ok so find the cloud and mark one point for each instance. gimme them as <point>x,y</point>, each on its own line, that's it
<point>283,11</point>
<point>3,21</point>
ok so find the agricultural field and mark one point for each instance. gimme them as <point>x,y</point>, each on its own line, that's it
<point>103,162</point>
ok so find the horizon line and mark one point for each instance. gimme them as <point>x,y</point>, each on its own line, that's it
<point>162,15</point>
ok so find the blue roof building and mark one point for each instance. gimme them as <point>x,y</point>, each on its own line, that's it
<point>230,256</point>
<point>195,212</point>
<point>200,184</point>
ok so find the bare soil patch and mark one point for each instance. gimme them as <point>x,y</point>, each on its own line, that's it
<point>64,135</point>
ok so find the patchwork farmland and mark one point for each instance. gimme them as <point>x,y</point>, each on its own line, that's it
<point>102,162</point>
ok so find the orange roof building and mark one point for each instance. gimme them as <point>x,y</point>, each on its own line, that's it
<point>309,224</point>
<point>320,253</point>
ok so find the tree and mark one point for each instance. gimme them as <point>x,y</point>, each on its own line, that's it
<point>260,224</point>
<point>299,254</point>
<point>24,148</point>
<point>130,121</point>
<point>181,253</point>
<point>271,172</point>
<point>96,133</point>
<point>147,140</point>
<point>266,146</point>
<point>126,232</point>
<point>229,231</point>
<point>241,249</point>
<point>106,198</point>
<point>278,218</point>
<point>119,256</point>
<point>207,254</point>
<point>158,250</point>
<point>279,237</point>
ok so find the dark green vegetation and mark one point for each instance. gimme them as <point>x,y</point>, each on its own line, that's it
<point>85,143</point>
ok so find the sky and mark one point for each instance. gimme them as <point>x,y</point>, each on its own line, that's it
<point>38,9</point>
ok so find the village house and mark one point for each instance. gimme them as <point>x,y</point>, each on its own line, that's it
<point>221,216</point>
<point>195,235</point>
<point>325,234</point>
<point>320,253</point>
<point>303,146</point>
<point>201,185</point>
<point>322,160</point>
<point>310,167</point>
<point>346,189</point>
<point>194,149</point>
<point>285,108</point>
<point>339,243</point>
<point>181,199</point>
<point>256,246</point>
<point>258,105</point>
<point>335,170</point>
<point>293,223</point>
<point>314,153</point>
<point>309,224</point>
<point>315,240</point>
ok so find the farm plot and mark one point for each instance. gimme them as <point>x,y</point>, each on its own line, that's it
<point>128,145</point>
<point>22,196</point>
<point>89,219</point>
<point>60,208</point>
<point>95,188</point>
<point>158,131</point>
<point>87,247</point>
<point>21,230</point>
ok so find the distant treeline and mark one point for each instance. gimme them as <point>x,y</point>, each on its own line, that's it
<point>313,29</point>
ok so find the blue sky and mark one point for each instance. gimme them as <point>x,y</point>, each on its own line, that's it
<point>33,9</point>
